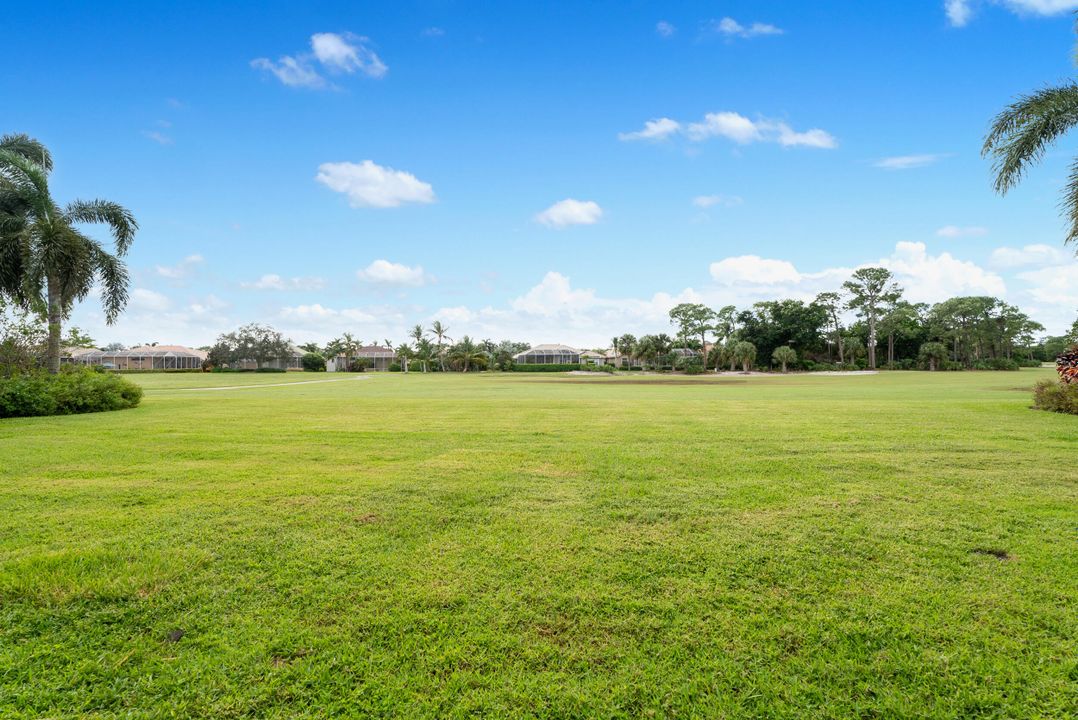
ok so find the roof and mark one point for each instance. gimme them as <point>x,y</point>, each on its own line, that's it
<point>592,354</point>
<point>374,351</point>
<point>160,350</point>
<point>548,349</point>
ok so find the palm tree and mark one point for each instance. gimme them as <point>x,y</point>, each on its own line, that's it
<point>465,353</point>
<point>745,353</point>
<point>424,351</point>
<point>404,352</point>
<point>1021,134</point>
<point>349,346</point>
<point>784,354</point>
<point>46,262</point>
<point>627,346</point>
<point>489,348</point>
<point>441,333</point>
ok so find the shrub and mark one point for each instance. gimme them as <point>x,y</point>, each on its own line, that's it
<point>358,365</point>
<point>1056,396</point>
<point>696,368</point>
<point>269,370</point>
<point>313,362</point>
<point>73,390</point>
<point>544,367</point>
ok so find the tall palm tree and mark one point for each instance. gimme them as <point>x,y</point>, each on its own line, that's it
<point>46,261</point>
<point>441,332</point>
<point>424,351</point>
<point>1021,134</point>
<point>465,353</point>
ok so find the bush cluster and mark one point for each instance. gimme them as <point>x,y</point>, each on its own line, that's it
<point>560,367</point>
<point>219,369</point>
<point>313,362</point>
<point>1056,396</point>
<point>73,390</point>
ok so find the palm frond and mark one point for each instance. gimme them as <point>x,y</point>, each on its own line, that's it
<point>29,148</point>
<point>1020,135</point>
<point>119,219</point>
<point>1069,205</point>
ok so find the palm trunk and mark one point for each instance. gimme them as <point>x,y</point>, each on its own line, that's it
<point>891,350</point>
<point>55,319</point>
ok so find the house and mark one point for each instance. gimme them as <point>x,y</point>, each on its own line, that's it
<point>591,357</point>
<point>377,357</point>
<point>549,355</point>
<point>147,357</point>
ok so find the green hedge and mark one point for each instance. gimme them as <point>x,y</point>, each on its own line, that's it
<point>247,370</point>
<point>73,390</point>
<point>551,367</point>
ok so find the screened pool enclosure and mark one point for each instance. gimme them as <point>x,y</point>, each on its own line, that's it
<point>548,355</point>
<point>157,357</point>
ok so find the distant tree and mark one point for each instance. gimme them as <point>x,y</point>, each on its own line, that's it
<point>745,353</point>
<point>1073,334</point>
<point>855,349</point>
<point>441,334</point>
<point>724,325</point>
<point>693,320</point>
<point>77,338</point>
<point>254,342</point>
<point>404,354</point>
<point>933,353</point>
<point>832,304</point>
<point>901,320</point>
<point>785,355</point>
<point>627,346</point>
<point>490,349</point>
<point>114,347</point>
<point>47,263</point>
<point>424,352</point>
<point>311,348</point>
<point>871,290</point>
<point>350,346</point>
<point>466,353</point>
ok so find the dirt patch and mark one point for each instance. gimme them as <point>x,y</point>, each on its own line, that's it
<point>367,519</point>
<point>994,552</point>
<point>288,658</point>
<point>175,635</point>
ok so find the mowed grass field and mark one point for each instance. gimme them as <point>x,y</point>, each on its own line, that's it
<point>438,546</point>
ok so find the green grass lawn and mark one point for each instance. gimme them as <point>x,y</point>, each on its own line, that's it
<point>900,545</point>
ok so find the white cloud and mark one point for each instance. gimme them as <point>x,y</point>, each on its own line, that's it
<point>570,212</point>
<point>959,12</point>
<point>158,137</point>
<point>180,270</point>
<point>343,53</point>
<point>370,185</point>
<point>293,72</point>
<point>706,201</point>
<point>347,53</point>
<point>143,300</point>
<point>742,130</point>
<point>1055,286</point>
<point>383,272</point>
<point>753,270</point>
<point>954,231</point>
<point>1038,254</point>
<point>657,129</point>
<point>928,278</point>
<point>730,28</point>
<point>273,281</point>
<point>906,162</point>
<point>433,32</point>
<point>665,29</point>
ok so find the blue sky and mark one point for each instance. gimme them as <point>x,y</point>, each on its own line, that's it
<point>362,167</point>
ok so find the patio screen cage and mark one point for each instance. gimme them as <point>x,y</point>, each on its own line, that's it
<point>152,358</point>
<point>549,355</point>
